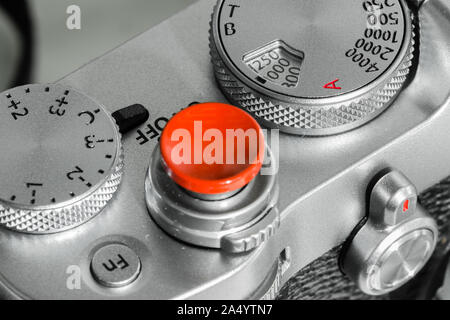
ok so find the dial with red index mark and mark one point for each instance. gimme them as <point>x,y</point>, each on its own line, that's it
<point>312,67</point>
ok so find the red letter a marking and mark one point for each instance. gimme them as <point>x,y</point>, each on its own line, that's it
<point>332,85</point>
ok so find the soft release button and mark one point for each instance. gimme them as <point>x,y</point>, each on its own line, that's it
<point>212,148</point>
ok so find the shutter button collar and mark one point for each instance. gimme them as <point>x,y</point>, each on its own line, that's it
<point>205,185</point>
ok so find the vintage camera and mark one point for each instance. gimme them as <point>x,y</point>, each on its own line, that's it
<point>354,97</point>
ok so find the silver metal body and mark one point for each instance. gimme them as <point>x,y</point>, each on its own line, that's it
<point>323,180</point>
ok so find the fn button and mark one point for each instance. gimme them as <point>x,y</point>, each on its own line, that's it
<point>115,265</point>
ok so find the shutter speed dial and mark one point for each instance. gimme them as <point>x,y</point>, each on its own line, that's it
<point>61,158</point>
<point>312,67</point>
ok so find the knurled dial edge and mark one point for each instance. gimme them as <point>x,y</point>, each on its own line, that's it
<point>68,217</point>
<point>310,120</point>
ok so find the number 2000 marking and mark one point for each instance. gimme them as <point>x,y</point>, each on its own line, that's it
<point>368,47</point>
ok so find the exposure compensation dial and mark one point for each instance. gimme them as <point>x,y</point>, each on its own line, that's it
<point>61,158</point>
<point>312,67</point>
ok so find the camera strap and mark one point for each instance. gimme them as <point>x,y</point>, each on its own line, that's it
<point>19,13</point>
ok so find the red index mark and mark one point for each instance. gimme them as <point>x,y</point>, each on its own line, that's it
<point>332,85</point>
<point>406,206</point>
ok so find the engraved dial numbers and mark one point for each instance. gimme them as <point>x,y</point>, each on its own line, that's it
<point>57,146</point>
<point>296,48</point>
<point>381,40</point>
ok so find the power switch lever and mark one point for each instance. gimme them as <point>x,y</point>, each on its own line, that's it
<point>393,200</point>
<point>130,117</point>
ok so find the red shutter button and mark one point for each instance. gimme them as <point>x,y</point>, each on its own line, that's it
<point>212,148</point>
